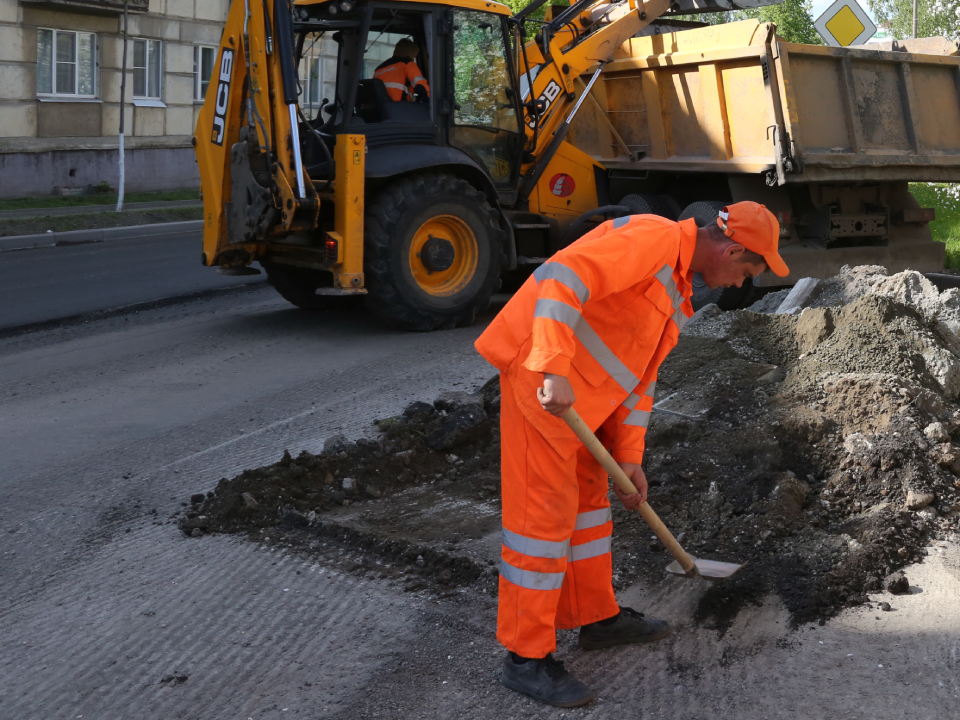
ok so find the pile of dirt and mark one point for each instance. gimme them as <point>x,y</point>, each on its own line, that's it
<point>454,440</point>
<point>455,437</point>
<point>816,447</point>
<point>834,468</point>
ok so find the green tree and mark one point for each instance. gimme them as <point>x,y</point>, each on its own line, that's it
<point>934,17</point>
<point>793,19</point>
<point>518,5</point>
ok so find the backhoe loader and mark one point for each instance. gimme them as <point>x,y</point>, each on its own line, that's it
<point>418,206</point>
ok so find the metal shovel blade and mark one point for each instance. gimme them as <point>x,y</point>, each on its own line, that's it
<point>709,569</point>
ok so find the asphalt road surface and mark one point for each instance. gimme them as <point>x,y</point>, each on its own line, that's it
<point>108,611</point>
<point>56,282</point>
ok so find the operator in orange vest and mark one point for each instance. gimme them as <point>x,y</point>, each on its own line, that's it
<point>589,329</point>
<point>401,75</point>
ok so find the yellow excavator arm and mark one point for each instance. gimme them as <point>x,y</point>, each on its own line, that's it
<point>246,137</point>
<point>577,38</point>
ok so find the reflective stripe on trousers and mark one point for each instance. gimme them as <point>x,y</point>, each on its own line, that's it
<point>548,549</point>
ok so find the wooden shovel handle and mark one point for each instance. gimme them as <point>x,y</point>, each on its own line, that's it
<point>576,423</point>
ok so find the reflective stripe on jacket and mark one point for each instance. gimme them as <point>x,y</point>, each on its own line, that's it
<point>604,312</point>
<point>400,76</point>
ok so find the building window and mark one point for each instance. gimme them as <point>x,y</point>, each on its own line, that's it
<point>203,59</point>
<point>311,82</point>
<point>66,63</point>
<point>146,69</point>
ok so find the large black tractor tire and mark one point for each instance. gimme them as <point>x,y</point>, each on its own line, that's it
<point>433,248</point>
<point>299,285</point>
<point>732,298</point>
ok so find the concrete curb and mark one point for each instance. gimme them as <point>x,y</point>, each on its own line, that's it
<point>82,237</point>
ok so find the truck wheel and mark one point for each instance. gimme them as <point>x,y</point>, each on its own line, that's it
<point>703,211</point>
<point>647,204</point>
<point>299,286</point>
<point>432,252</point>
<point>671,206</point>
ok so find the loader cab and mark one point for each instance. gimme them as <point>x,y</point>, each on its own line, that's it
<point>464,56</point>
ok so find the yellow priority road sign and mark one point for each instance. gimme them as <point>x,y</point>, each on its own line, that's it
<point>845,23</point>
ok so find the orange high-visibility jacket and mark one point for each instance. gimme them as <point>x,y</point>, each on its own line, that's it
<point>604,312</point>
<point>401,76</point>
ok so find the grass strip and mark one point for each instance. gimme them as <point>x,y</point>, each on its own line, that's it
<point>945,199</point>
<point>106,198</point>
<point>66,223</point>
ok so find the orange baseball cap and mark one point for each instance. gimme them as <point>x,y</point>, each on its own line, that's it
<point>757,229</point>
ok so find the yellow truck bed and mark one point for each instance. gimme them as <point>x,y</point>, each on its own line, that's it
<point>827,138</point>
<point>737,98</point>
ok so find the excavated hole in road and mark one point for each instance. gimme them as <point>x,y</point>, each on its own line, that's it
<point>821,452</point>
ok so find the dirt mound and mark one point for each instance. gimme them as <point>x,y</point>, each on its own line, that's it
<point>816,447</point>
<point>456,437</point>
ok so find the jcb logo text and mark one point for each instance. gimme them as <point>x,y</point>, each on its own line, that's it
<point>547,97</point>
<point>223,98</point>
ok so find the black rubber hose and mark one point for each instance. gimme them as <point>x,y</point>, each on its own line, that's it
<point>283,25</point>
<point>575,225</point>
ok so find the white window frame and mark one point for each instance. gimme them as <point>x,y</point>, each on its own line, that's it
<point>60,93</point>
<point>147,99</point>
<point>310,85</point>
<point>198,94</point>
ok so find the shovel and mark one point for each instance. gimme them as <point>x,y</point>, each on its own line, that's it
<point>684,564</point>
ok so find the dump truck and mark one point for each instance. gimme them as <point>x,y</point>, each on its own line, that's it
<point>419,207</point>
<point>827,138</point>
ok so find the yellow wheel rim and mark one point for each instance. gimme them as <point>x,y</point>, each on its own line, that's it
<point>449,280</point>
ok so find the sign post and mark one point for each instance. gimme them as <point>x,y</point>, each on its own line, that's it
<point>844,24</point>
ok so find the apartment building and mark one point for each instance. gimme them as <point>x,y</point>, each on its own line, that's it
<point>60,72</point>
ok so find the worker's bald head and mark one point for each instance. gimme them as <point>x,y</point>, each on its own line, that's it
<point>406,48</point>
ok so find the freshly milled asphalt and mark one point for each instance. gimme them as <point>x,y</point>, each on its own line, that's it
<point>105,422</point>
<point>108,611</point>
<point>56,282</point>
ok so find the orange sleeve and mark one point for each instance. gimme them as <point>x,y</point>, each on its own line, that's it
<point>601,263</point>
<point>626,428</point>
<point>415,77</point>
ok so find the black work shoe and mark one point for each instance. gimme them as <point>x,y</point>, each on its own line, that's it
<point>545,680</point>
<point>629,626</point>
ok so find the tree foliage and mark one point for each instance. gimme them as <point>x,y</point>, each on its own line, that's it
<point>934,17</point>
<point>793,18</point>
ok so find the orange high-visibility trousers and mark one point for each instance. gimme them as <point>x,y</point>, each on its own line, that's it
<point>556,568</point>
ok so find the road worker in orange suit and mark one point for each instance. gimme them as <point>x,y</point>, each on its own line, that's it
<point>401,75</point>
<point>589,329</point>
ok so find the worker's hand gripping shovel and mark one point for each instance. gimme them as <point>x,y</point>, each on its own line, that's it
<point>684,564</point>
